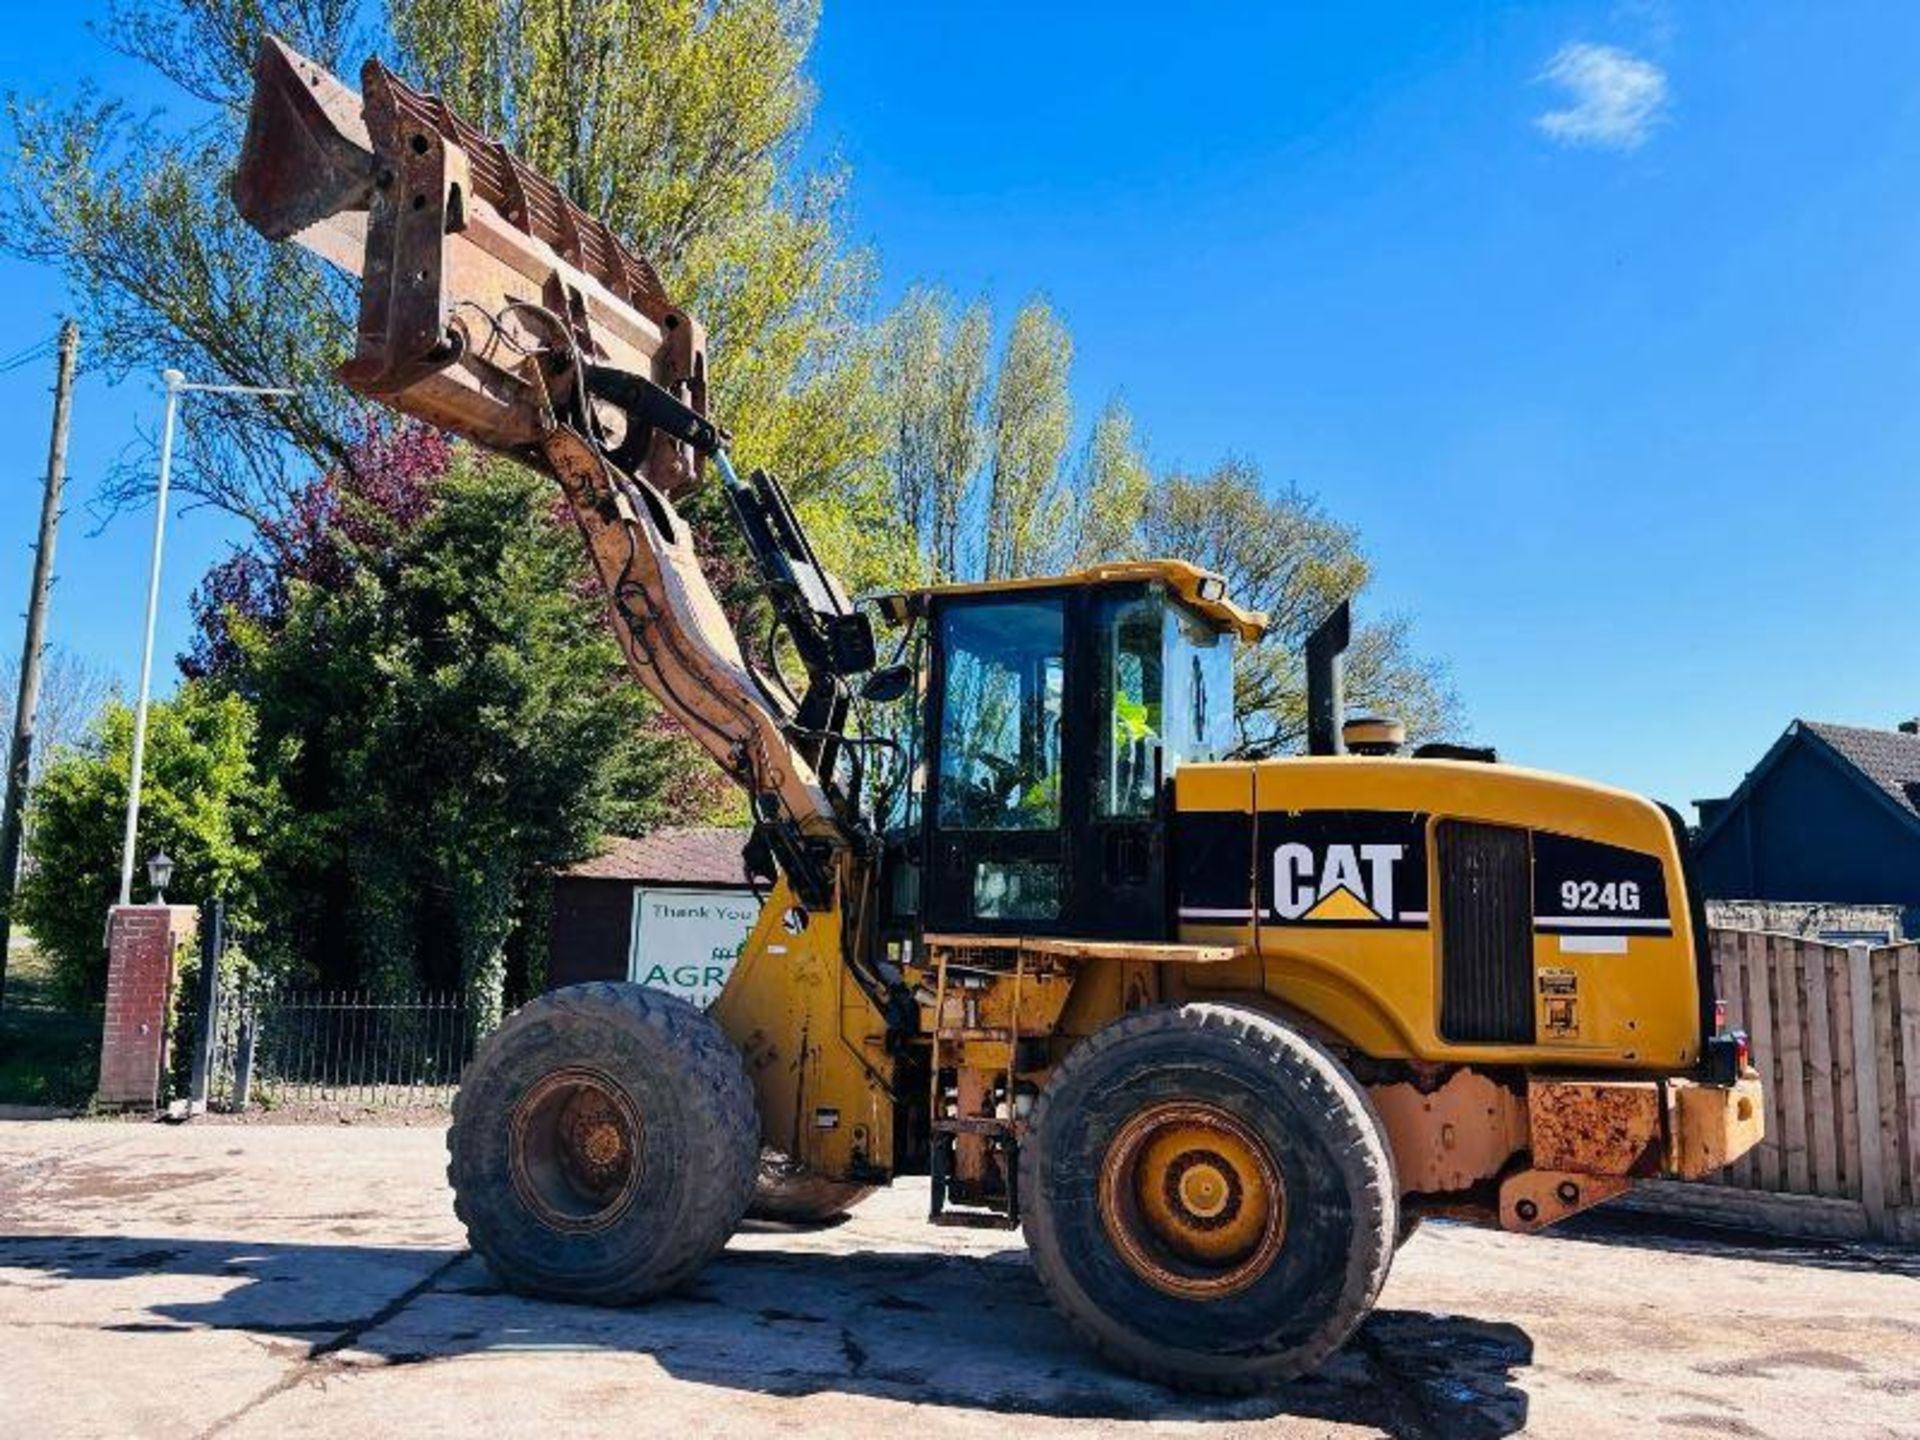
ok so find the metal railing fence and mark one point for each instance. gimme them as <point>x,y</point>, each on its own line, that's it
<point>258,1041</point>
<point>343,1047</point>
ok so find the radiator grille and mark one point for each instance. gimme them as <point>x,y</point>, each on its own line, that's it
<point>1486,918</point>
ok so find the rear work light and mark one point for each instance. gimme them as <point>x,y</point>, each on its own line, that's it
<point>1728,1053</point>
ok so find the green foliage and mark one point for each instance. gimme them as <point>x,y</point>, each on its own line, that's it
<point>974,452</point>
<point>973,449</point>
<point>1110,486</point>
<point>1031,420</point>
<point>457,722</point>
<point>935,379</point>
<point>663,117</point>
<point>208,797</point>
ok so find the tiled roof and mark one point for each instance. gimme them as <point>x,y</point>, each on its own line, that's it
<point>1890,759</point>
<point>686,855</point>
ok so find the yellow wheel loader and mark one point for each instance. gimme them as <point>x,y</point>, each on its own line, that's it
<point>1213,1030</point>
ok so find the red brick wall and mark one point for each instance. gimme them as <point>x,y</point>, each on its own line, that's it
<point>142,943</point>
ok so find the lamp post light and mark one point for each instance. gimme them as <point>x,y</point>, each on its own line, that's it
<point>159,873</point>
<point>177,385</point>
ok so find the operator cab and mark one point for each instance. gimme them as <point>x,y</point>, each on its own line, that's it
<point>1054,714</point>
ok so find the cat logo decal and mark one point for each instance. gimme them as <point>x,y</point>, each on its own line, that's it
<point>1344,868</point>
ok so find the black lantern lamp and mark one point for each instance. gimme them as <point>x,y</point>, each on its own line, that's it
<point>159,873</point>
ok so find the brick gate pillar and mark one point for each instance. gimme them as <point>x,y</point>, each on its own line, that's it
<point>143,944</point>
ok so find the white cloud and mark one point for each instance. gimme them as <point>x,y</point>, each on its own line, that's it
<point>1614,98</point>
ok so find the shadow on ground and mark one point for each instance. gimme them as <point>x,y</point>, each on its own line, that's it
<point>1609,1226</point>
<point>966,1331</point>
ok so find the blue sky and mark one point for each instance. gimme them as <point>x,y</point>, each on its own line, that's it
<point>1599,321</point>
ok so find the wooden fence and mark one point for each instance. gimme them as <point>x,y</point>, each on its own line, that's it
<point>1836,1038</point>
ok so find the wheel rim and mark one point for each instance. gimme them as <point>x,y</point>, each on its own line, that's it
<point>576,1145</point>
<point>1193,1200</point>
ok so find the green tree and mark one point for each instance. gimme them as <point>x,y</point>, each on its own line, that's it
<point>935,382</point>
<point>206,798</point>
<point>968,443</point>
<point>974,448</point>
<point>679,122</point>
<point>456,722</point>
<point>1031,423</point>
<point>1110,487</point>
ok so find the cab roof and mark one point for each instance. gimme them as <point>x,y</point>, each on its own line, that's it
<point>1202,590</point>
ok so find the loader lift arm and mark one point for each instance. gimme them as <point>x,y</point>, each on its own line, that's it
<point>494,308</point>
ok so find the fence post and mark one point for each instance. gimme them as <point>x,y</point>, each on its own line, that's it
<point>1866,1088</point>
<point>243,1060</point>
<point>213,943</point>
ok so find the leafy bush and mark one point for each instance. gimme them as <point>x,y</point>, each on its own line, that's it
<point>452,715</point>
<point>204,800</point>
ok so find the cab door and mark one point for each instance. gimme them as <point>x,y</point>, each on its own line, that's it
<point>1120,882</point>
<point>998,858</point>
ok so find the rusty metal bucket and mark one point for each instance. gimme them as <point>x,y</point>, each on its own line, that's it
<point>481,284</point>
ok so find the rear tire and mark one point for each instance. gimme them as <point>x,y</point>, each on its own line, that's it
<point>793,1195</point>
<point>1208,1197</point>
<point>603,1145</point>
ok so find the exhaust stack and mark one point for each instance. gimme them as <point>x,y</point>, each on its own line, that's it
<point>1326,681</point>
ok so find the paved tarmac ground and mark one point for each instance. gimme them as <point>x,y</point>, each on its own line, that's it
<point>289,1281</point>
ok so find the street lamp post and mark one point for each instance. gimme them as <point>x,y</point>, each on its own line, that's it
<point>177,385</point>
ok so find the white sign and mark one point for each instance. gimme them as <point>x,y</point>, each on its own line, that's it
<point>686,941</point>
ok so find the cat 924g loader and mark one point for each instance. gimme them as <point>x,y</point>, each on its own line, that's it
<point>1213,1031</point>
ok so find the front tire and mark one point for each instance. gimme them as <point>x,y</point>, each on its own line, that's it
<point>1208,1197</point>
<point>603,1146</point>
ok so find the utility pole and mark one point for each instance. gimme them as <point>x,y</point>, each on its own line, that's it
<point>27,703</point>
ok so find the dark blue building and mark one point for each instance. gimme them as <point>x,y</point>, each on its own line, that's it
<point>1831,813</point>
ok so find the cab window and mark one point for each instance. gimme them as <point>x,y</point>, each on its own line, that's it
<point>1199,661</point>
<point>1000,715</point>
<point>1128,711</point>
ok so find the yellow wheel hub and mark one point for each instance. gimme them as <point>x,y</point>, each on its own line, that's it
<point>1205,1190</point>
<point>1192,1200</point>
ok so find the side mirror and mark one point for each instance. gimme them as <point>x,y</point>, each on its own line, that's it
<point>886,685</point>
